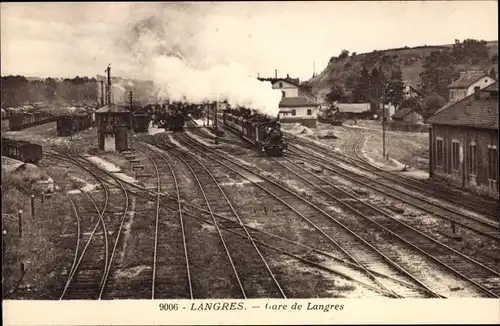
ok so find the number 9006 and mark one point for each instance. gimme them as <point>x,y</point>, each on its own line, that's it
<point>169,307</point>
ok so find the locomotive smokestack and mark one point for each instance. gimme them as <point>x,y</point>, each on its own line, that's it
<point>275,73</point>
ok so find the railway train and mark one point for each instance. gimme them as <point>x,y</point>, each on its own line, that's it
<point>70,124</point>
<point>21,150</point>
<point>331,116</point>
<point>141,122</point>
<point>21,121</point>
<point>261,131</point>
<point>171,116</point>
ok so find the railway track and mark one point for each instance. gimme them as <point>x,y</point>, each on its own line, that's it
<point>250,269</point>
<point>322,255</point>
<point>482,226</point>
<point>466,268</point>
<point>361,253</point>
<point>487,208</point>
<point>171,275</point>
<point>83,276</point>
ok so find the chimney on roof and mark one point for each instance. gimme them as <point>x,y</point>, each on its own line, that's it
<point>288,76</point>
<point>477,94</point>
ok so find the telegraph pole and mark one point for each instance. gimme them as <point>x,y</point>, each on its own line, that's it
<point>208,115</point>
<point>215,124</point>
<point>102,93</point>
<point>108,71</point>
<point>383,123</point>
<point>130,97</point>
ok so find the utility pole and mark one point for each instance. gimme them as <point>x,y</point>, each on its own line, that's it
<point>20,222</point>
<point>102,93</point>
<point>208,115</point>
<point>33,206</point>
<point>383,123</point>
<point>215,124</point>
<point>108,71</point>
<point>131,101</point>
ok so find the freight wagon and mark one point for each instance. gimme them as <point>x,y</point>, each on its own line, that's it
<point>70,124</point>
<point>21,121</point>
<point>21,150</point>
<point>141,122</point>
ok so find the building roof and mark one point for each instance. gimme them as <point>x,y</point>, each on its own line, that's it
<point>492,88</point>
<point>292,102</point>
<point>353,107</point>
<point>293,81</point>
<point>467,78</point>
<point>469,112</point>
<point>113,108</point>
<point>401,113</point>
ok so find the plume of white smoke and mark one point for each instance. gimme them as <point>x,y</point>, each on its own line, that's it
<point>118,93</point>
<point>171,53</point>
<point>179,82</point>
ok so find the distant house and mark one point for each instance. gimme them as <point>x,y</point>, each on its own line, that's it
<point>464,141</point>
<point>409,91</point>
<point>354,110</point>
<point>298,109</point>
<point>289,87</point>
<point>407,115</point>
<point>467,83</point>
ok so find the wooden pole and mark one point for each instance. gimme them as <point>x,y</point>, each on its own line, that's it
<point>208,115</point>
<point>32,206</point>
<point>20,221</point>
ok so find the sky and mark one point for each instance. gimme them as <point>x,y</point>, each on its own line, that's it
<point>69,39</point>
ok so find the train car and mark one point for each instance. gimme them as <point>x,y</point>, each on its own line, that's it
<point>141,122</point>
<point>16,122</point>
<point>70,124</point>
<point>21,150</point>
<point>264,134</point>
<point>21,119</point>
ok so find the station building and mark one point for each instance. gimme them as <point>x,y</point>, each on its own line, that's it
<point>463,142</point>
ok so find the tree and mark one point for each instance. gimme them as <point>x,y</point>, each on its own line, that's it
<point>377,84</point>
<point>14,91</point>
<point>336,94</point>
<point>50,89</point>
<point>395,88</point>
<point>361,90</point>
<point>437,75</point>
<point>412,102</point>
<point>344,54</point>
<point>430,105</point>
<point>470,51</point>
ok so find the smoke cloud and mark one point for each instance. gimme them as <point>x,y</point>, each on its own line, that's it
<point>170,48</point>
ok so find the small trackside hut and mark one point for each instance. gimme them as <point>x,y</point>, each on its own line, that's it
<point>113,123</point>
<point>463,142</point>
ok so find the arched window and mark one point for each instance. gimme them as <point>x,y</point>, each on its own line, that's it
<point>281,85</point>
<point>309,111</point>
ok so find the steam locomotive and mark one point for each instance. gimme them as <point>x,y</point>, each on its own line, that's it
<point>171,117</point>
<point>263,132</point>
